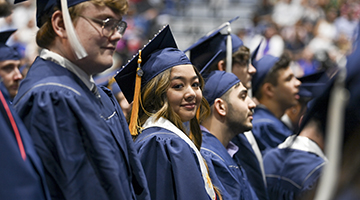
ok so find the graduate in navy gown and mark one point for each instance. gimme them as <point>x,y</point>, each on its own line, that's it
<point>293,168</point>
<point>9,66</point>
<point>276,88</point>
<point>211,50</point>
<point>231,114</point>
<point>78,128</point>
<point>170,95</point>
<point>22,173</point>
<point>338,111</point>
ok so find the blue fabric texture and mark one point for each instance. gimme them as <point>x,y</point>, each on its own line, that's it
<point>225,173</point>
<point>83,141</point>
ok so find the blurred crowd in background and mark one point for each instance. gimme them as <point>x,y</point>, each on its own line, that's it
<point>316,32</point>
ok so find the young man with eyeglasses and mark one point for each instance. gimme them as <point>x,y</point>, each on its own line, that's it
<point>78,128</point>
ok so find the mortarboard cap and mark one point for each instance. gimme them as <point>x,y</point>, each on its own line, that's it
<point>159,54</point>
<point>6,52</point>
<point>45,8</point>
<point>313,84</point>
<point>44,11</point>
<point>213,45</point>
<point>262,66</point>
<point>217,83</point>
<point>255,52</point>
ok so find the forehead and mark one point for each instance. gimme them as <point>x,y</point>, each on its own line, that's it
<point>9,62</point>
<point>285,72</point>
<point>183,71</point>
<point>236,89</point>
<point>89,8</point>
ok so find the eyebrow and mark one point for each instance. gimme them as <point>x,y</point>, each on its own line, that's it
<point>183,78</point>
<point>244,91</point>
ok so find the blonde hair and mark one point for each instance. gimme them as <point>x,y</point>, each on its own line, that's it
<point>46,34</point>
<point>154,103</point>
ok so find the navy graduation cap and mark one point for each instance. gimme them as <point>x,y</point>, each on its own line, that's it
<point>262,66</point>
<point>159,54</point>
<point>217,83</point>
<point>45,8</point>
<point>213,46</point>
<point>313,84</point>
<point>44,11</point>
<point>6,52</point>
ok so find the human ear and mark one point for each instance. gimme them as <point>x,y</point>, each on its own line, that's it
<point>220,107</point>
<point>268,89</point>
<point>58,24</point>
<point>221,65</point>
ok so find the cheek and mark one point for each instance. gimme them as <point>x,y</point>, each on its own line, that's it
<point>198,96</point>
<point>173,99</point>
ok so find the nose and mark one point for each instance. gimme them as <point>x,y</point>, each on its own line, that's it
<point>252,69</point>
<point>189,94</point>
<point>17,74</point>
<point>297,83</point>
<point>116,36</point>
<point>251,103</point>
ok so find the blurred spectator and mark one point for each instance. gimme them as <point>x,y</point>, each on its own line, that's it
<point>287,12</point>
<point>7,23</point>
<point>312,11</point>
<point>308,63</point>
<point>22,14</point>
<point>272,43</point>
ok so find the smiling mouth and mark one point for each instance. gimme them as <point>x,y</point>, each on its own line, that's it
<point>189,106</point>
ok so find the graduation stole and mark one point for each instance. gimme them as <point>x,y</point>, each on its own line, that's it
<point>6,112</point>
<point>166,124</point>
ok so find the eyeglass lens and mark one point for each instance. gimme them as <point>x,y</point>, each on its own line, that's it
<point>112,25</point>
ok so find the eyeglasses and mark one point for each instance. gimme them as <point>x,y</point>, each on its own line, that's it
<point>109,25</point>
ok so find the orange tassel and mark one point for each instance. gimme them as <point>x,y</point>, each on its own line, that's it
<point>111,81</point>
<point>133,125</point>
<point>198,113</point>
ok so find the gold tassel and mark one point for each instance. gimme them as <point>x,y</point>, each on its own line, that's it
<point>198,113</point>
<point>111,81</point>
<point>135,107</point>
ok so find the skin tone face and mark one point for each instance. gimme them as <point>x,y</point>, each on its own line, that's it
<point>100,49</point>
<point>244,73</point>
<point>184,94</point>
<point>11,76</point>
<point>239,116</point>
<point>287,89</point>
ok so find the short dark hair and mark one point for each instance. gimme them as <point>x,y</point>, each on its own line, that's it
<point>241,56</point>
<point>273,74</point>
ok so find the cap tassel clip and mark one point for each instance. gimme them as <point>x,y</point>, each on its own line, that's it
<point>136,102</point>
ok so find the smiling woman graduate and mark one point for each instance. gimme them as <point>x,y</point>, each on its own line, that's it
<point>170,96</point>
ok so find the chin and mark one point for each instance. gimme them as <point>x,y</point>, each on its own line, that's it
<point>187,118</point>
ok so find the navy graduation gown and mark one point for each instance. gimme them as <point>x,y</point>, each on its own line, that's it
<point>83,141</point>
<point>19,179</point>
<point>291,173</point>
<point>247,159</point>
<point>225,173</point>
<point>171,166</point>
<point>268,130</point>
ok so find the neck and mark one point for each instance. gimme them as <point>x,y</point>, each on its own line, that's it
<point>273,107</point>
<point>219,130</point>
